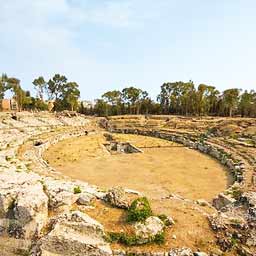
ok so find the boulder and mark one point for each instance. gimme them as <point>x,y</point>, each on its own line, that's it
<point>62,193</point>
<point>223,201</point>
<point>23,203</point>
<point>77,234</point>
<point>31,209</point>
<point>85,198</point>
<point>117,197</point>
<point>146,232</point>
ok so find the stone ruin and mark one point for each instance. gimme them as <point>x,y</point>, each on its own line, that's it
<point>28,195</point>
<point>121,147</point>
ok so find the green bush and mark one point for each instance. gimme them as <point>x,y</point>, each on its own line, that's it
<point>122,238</point>
<point>77,190</point>
<point>139,210</point>
<point>159,238</point>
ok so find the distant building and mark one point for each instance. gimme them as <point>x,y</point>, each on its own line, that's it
<point>87,104</point>
<point>9,105</point>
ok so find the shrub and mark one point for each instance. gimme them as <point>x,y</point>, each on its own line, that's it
<point>77,190</point>
<point>131,240</point>
<point>159,238</point>
<point>139,210</point>
<point>122,238</point>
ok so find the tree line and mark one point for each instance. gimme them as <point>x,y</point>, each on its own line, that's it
<point>178,98</point>
<point>64,94</point>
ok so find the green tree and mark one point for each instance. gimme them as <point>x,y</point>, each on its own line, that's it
<point>131,97</point>
<point>3,85</point>
<point>114,99</point>
<point>40,86</point>
<point>230,99</point>
<point>55,86</point>
<point>70,95</point>
<point>247,103</point>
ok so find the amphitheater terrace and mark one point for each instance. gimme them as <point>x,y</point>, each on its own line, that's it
<point>77,185</point>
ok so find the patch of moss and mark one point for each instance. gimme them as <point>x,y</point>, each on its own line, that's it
<point>139,210</point>
<point>77,190</point>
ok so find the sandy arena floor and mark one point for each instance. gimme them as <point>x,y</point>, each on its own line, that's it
<point>163,168</point>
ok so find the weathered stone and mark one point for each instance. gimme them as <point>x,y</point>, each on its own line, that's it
<point>223,201</point>
<point>75,234</point>
<point>31,209</point>
<point>148,230</point>
<point>200,254</point>
<point>117,197</point>
<point>85,198</point>
<point>181,252</point>
<point>202,202</point>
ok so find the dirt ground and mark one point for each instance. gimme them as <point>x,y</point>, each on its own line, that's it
<point>163,168</point>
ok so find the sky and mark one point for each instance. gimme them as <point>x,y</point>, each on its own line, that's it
<point>111,44</point>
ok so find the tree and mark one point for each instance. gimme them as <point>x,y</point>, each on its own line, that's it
<point>70,95</point>
<point>131,97</point>
<point>230,100</point>
<point>40,86</point>
<point>247,103</point>
<point>55,86</point>
<point>101,108</point>
<point>114,99</point>
<point>3,85</point>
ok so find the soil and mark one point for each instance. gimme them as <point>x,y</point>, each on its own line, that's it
<point>163,168</point>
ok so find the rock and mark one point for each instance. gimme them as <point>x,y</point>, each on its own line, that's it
<point>131,191</point>
<point>117,197</point>
<point>223,201</point>
<point>200,254</point>
<point>31,209</point>
<point>23,202</point>
<point>181,252</point>
<point>75,234</point>
<point>250,198</point>
<point>251,240</point>
<point>148,230</point>
<point>85,198</point>
<point>202,202</point>
<point>62,193</point>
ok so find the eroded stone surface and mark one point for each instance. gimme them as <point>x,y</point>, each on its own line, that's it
<point>76,234</point>
<point>147,231</point>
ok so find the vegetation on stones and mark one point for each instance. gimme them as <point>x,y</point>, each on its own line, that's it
<point>139,210</point>
<point>77,190</point>
<point>164,218</point>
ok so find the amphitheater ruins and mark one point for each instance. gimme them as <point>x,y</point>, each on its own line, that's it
<point>127,185</point>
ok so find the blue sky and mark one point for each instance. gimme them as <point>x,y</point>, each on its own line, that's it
<point>110,44</point>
